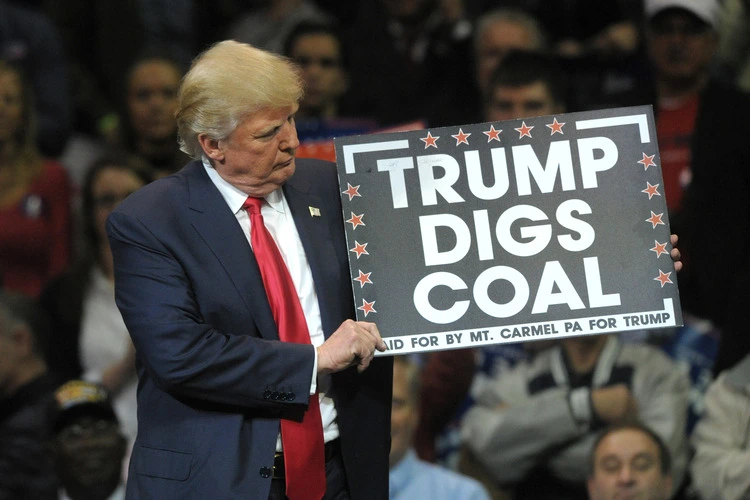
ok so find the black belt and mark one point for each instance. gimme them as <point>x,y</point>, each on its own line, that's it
<point>332,449</point>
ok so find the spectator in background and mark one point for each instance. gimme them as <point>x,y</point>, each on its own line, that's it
<point>721,465</point>
<point>101,39</point>
<point>629,461</point>
<point>90,339</point>
<point>269,22</point>
<point>532,428</point>
<point>682,43</point>
<point>316,48</point>
<point>35,225</point>
<point>526,84</point>
<point>323,113</point>
<point>31,42</point>
<point>25,396</point>
<point>704,158</point>
<point>410,477</point>
<point>151,129</point>
<point>410,60</point>
<point>445,383</point>
<point>497,33</point>
<point>88,449</point>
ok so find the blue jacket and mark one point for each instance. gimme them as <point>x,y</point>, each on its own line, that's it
<point>210,363</point>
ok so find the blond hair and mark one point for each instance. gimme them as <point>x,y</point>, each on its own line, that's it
<point>227,82</point>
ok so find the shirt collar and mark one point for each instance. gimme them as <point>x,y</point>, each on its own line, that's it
<point>235,197</point>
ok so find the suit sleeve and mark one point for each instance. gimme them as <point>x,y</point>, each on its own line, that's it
<point>184,354</point>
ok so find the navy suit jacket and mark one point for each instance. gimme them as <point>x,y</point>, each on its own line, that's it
<point>214,379</point>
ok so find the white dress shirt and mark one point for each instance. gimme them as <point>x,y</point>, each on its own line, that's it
<point>279,222</point>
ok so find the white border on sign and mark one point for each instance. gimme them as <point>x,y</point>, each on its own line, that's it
<point>592,325</point>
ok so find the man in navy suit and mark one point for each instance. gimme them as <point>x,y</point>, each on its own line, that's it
<point>215,381</point>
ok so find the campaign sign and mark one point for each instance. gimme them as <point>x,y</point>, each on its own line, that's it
<point>510,231</point>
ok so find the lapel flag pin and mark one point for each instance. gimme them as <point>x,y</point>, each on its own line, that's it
<point>314,211</point>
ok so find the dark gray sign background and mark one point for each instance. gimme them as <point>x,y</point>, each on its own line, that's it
<point>623,241</point>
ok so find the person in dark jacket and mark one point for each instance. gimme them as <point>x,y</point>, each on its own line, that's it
<point>704,156</point>
<point>25,402</point>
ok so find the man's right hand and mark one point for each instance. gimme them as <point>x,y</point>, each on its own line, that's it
<point>614,404</point>
<point>353,343</point>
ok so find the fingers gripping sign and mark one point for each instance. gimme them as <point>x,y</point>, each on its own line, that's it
<point>353,343</point>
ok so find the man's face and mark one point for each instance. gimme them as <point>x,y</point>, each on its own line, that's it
<point>89,455</point>
<point>258,157</point>
<point>319,56</point>
<point>152,100</point>
<point>526,101</point>
<point>404,415</point>
<point>627,466</point>
<point>494,43</point>
<point>680,46</point>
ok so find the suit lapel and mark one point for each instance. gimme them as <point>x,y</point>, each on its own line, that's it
<point>316,239</point>
<point>218,228</point>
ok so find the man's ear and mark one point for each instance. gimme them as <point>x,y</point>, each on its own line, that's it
<point>211,147</point>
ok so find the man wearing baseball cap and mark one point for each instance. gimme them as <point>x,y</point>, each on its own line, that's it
<point>705,153</point>
<point>89,447</point>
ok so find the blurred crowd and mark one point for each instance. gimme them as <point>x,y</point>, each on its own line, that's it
<point>87,97</point>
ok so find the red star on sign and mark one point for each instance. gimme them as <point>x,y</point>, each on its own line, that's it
<point>430,141</point>
<point>651,190</point>
<point>556,127</point>
<point>663,278</point>
<point>367,307</point>
<point>523,130</point>
<point>461,137</point>
<point>363,278</point>
<point>359,249</point>
<point>356,220</point>
<point>660,248</point>
<point>655,219</point>
<point>647,161</point>
<point>492,134</point>
<point>351,191</point>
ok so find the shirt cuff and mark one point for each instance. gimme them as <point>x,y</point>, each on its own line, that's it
<point>314,381</point>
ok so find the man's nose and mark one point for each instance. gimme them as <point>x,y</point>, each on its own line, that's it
<point>625,476</point>
<point>289,136</point>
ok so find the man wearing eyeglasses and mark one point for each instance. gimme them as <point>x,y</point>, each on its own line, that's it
<point>702,132</point>
<point>316,48</point>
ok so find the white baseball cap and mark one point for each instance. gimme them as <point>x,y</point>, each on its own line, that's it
<point>706,10</point>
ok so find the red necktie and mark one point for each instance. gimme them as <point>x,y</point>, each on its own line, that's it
<point>304,453</point>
